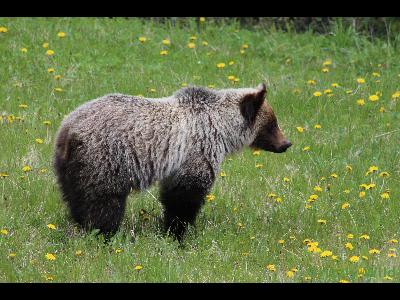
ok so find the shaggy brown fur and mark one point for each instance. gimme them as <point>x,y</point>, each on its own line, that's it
<point>116,143</point>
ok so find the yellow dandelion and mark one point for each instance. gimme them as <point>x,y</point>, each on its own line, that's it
<point>335,85</point>
<point>47,123</point>
<point>271,268</point>
<point>344,281</point>
<point>361,194</point>
<point>325,70</point>
<point>321,221</point>
<point>222,174</point>
<point>374,251</point>
<point>39,141</point>
<point>49,52</point>
<point>191,45</point>
<point>360,80</point>
<point>231,63</point>
<point>360,102</point>
<point>57,77</point>
<point>306,148</point>
<point>23,50</point>
<point>317,94</point>
<point>350,236</point>
<point>290,274</point>
<point>118,250</point>
<point>311,82</point>
<point>347,191</point>
<point>58,89</point>
<point>376,74</point>
<point>326,253</point>
<point>385,195</point>
<point>354,259</point>
<point>392,255</point>
<point>22,105</point>
<point>202,19</point>
<point>334,175</point>
<point>300,129</point>
<point>78,252</point>
<point>373,98</point>
<point>349,168</point>
<point>166,42</point>
<point>210,197</point>
<point>327,62</point>
<point>61,34</point>
<point>4,231</point>
<point>256,152</point>
<point>51,226</point>
<point>204,43</point>
<point>349,246</point>
<point>221,65</point>
<point>3,29</point>
<point>50,70</point>
<point>317,126</point>
<point>271,195</point>
<point>317,188</point>
<point>285,179</point>
<point>163,52</point>
<point>259,166</point>
<point>50,256</point>
<point>388,278</point>
<point>12,255</point>
<point>364,237</point>
<point>245,46</point>
<point>345,205</point>
<point>327,91</point>
<point>26,168</point>
<point>393,241</point>
<point>138,267</point>
<point>45,45</point>
<point>142,39</point>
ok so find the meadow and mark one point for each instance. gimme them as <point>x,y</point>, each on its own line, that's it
<point>327,210</point>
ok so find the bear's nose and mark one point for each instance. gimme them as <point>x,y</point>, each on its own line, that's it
<point>285,146</point>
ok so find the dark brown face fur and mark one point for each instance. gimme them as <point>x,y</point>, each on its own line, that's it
<point>269,136</point>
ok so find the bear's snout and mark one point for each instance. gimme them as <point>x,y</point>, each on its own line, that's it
<point>284,146</point>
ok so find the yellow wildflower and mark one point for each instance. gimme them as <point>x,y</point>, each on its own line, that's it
<point>163,52</point>
<point>61,34</point>
<point>138,267</point>
<point>142,39</point>
<point>300,129</point>
<point>361,194</point>
<point>335,85</point>
<point>325,70</point>
<point>290,274</point>
<point>50,70</point>
<point>47,123</point>
<point>344,281</point>
<point>326,253</point>
<point>317,94</point>
<point>354,259</point>
<point>3,29</point>
<point>204,43</point>
<point>39,141</point>
<point>191,45</point>
<point>50,256</point>
<point>4,231</point>
<point>78,252</point>
<point>23,50</point>
<point>49,52</point>
<point>374,251</point>
<point>327,62</point>
<point>45,45</point>
<point>166,42</point>
<point>321,221</point>
<point>307,148</point>
<point>364,237</point>
<point>210,198</point>
<point>360,80</point>
<point>311,82</point>
<point>26,168</point>
<point>360,102</point>
<point>221,65</point>
<point>373,98</point>
<point>388,278</point>
<point>51,226</point>
<point>271,268</point>
<point>349,246</point>
<point>317,188</point>
<point>345,205</point>
<point>222,174</point>
<point>350,236</point>
<point>385,195</point>
<point>317,126</point>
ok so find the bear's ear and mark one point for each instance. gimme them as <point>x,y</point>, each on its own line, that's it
<point>251,103</point>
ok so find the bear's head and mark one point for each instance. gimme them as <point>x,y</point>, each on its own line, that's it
<point>259,115</point>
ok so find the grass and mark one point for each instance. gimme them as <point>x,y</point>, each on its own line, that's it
<point>237,233</point>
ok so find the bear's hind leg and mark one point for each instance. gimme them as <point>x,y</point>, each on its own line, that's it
<point>103,212</point>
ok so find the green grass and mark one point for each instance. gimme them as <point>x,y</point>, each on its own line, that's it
<point>100,56</point>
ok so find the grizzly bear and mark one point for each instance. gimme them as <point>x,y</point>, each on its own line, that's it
<point>118,143</point>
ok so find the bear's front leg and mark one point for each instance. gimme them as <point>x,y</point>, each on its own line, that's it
<point>182,197</point>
